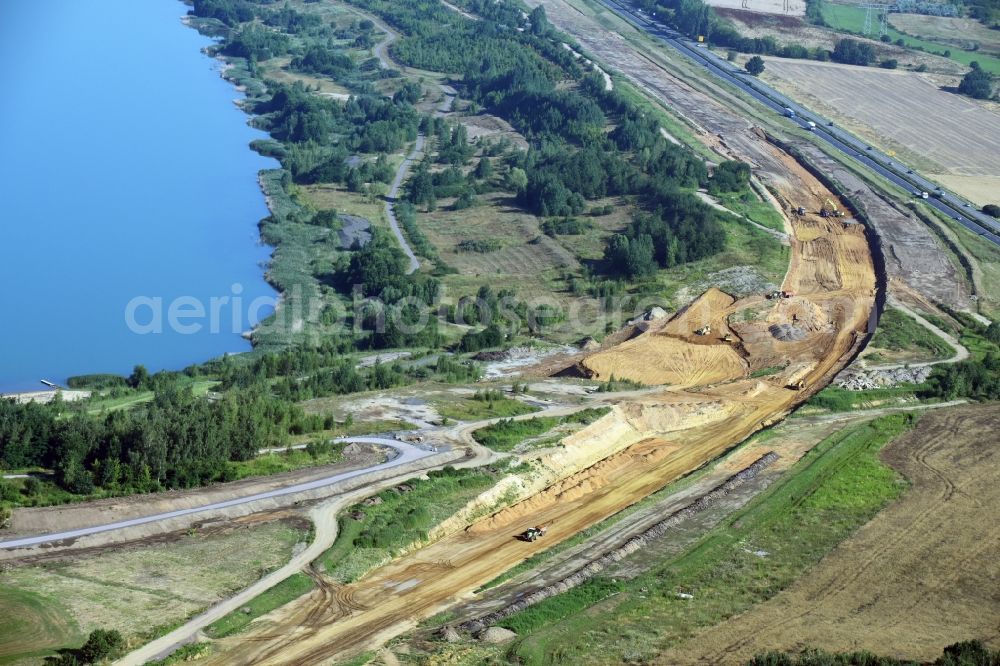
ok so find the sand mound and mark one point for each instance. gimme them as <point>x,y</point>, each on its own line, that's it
<point>497,635</point>
<point>449,635</point>
<point>660,359</point>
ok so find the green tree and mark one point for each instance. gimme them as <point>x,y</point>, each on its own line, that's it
<point>139,379</point>
<point>517,179</point>
<point>992,209</point>
<point>977,84</point>
<point>755,65</point>
<point>101,644</point>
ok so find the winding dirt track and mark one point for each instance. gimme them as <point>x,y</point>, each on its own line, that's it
<point>671,433</point>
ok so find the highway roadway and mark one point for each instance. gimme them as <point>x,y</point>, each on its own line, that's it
<point>407,453</point>
<point>886,166</point>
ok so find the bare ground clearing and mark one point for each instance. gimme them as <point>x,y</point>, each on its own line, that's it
<point>919,576</point>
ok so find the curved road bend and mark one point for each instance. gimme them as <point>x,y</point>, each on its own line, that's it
<point>407,454</point>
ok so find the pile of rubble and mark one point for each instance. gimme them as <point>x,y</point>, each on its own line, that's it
<point>866,380</point>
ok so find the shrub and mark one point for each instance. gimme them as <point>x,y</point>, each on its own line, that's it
<point>755,65</point>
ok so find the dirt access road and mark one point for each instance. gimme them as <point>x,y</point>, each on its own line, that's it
<point>649,440</point>
<point>921,575</point>
<point>381,51</point>
<point>646,441</point>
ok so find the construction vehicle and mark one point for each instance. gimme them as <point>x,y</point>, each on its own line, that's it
<point>704,330</point>
<point>830,209</point>
<point>532,533</point>
<point>801,210</point>
<point>727,338</point>
<point>797,386</point>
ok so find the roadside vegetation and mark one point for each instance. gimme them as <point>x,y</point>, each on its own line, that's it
<point>966,653</point>
<point>508,434</point>
<point>899,332</point>
<point>378,529</point>
<point>291,588</point>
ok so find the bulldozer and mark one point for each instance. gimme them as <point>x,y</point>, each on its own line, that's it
<point>797,385</point>
<point>704,330</point>
<point>532,533</point>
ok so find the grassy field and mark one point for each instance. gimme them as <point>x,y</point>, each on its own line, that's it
<point>142,592</point>
<point>898,332</point>
<point>851,18</point>
<point>32,625</point>
<point>507,435</point>
<point>833,490</point>
<point>962,32</point>
<point>835,399</point>
<point>746,246</point>
<point>291,588</point>
<point>474,409</point>
<point>749,206</point>
<point>371,534</point>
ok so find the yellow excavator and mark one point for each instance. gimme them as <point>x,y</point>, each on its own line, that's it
<point>830,209</point>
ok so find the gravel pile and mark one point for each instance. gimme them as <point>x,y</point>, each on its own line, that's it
<point>866,380</point>
<point>787,332</point>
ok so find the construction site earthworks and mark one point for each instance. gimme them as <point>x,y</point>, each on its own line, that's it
<point>685,419</point>
<point>710,394</point>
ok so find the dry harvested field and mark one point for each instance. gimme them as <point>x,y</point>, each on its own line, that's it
<point>946,135</point>
<point>962,32</point>
<point>783,7</point>
<point>920,576</point>
<point>789,30</point>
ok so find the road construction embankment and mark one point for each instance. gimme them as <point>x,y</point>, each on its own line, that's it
<point>632,545</point>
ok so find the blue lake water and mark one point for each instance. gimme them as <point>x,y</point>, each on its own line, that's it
<point>125,173</point>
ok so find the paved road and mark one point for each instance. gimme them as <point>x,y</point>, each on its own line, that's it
<point>893,170</point>
<point>407,453</point>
